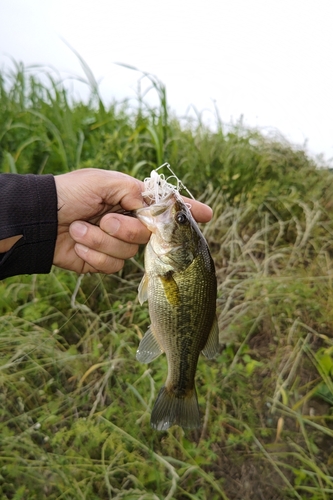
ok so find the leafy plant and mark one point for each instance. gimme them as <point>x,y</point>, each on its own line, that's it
<point>75,404</point>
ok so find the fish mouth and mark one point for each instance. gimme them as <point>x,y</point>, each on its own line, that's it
<point>148,215</point>
<point>156,214</point>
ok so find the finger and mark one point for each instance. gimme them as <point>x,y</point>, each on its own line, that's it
<point>94,238</point>
<point>127,190</point>
<point>200,211</point>
<point>125,228</point>
<point>96,261</point>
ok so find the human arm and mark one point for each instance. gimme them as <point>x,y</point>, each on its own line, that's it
<point>28,223</point>
<point>87,198</point>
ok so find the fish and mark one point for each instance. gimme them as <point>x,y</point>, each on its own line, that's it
<point>181,288</point>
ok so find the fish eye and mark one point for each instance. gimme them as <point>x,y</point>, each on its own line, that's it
<point>181,218</point>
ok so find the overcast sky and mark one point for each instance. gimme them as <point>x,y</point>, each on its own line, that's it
<point>268,60</point>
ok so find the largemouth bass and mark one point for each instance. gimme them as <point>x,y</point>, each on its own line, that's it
<point>180,286</point>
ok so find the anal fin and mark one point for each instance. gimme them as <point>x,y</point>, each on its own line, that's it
<point>149,348</point>
<point>211,348</point>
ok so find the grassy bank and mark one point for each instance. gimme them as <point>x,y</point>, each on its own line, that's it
<point>74,402</point>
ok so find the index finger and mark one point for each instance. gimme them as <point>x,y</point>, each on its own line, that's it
<point>200,211</point>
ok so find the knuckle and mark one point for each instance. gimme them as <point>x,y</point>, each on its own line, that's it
<point>96,239</point>
<point>133,250</point>
<point>118,265</point>
<point>102,261</point>
<point>131,235</point>
<point>131,228</point>
<point>107,264</point>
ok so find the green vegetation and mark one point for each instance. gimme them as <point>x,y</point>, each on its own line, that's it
<point>74,402</point>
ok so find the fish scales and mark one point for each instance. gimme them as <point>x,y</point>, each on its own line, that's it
<point>190,319</point>
<point>180,286</point>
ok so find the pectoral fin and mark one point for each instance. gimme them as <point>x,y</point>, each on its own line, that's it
<point>149,349</point>
<point>212,345</point>
<point>171,289</point>
<point>143,289</point>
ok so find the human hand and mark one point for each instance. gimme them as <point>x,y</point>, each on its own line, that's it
<point>91,236</point>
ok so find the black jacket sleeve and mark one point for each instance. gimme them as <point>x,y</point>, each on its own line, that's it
<point>28,206</point>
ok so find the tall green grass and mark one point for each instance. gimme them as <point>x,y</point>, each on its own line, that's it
<point>75,404</point>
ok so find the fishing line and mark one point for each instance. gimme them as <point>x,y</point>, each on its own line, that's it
<point>180,184</point>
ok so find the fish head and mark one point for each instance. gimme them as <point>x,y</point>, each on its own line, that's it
<point>175,237</point>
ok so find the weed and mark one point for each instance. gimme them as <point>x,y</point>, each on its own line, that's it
<point>74,403</point>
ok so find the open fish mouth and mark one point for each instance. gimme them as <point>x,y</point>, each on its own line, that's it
<point>157,211</point>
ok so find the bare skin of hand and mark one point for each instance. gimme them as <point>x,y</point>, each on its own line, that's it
<point>91,236</point>
<point>7,243</point>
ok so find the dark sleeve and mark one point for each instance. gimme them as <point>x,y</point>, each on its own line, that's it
<point>28,206</point>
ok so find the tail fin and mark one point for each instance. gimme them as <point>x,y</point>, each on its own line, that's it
<point>171,410</point>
